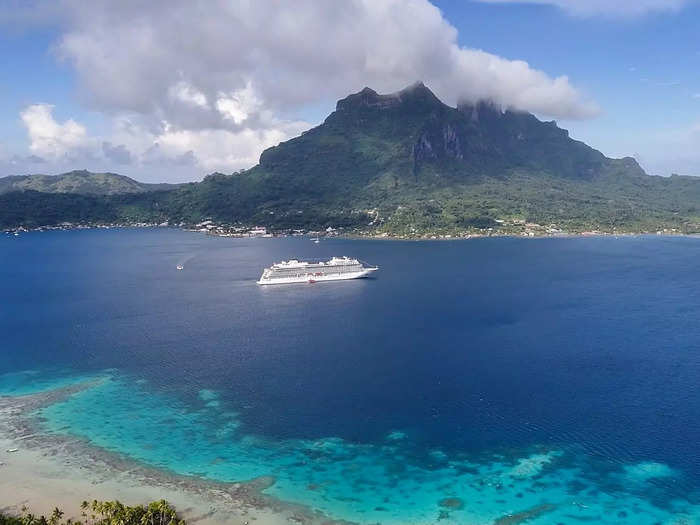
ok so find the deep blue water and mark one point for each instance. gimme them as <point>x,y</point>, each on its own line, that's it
<point>495,352</point>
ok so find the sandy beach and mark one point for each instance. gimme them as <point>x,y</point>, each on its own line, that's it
<point>42,472</point>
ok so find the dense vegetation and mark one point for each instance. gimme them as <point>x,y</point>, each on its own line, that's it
<point>406,164</point>
<point>32,208</point>
<point>80,181</point>
<point>103,513</point>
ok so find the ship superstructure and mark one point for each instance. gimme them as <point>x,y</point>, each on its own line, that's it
<point>335,269</point>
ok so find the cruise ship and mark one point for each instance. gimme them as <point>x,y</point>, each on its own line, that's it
<point>335,269</point>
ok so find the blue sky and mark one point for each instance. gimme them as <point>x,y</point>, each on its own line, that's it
<point>642,70</point>
<point>106,87</point>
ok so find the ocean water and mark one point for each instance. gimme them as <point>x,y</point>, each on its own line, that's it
<point>554,380</point>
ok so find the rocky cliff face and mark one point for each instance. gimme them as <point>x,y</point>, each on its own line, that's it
<point>481,137</point>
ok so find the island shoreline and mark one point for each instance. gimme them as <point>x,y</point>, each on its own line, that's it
<point>350,235</point>
<point>41,472</point>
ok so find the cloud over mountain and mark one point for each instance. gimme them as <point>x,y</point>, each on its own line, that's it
<point>220,81</point>
<point>202,62</point>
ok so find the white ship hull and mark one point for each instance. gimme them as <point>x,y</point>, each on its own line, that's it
<point>311,278</point>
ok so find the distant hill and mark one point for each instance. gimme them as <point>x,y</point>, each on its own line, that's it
<point>79,182</point>
<point>406,163</point>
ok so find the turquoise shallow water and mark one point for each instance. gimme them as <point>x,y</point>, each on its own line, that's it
<point>32,381</point>
<point>387,482</point>
<point>551,379</point>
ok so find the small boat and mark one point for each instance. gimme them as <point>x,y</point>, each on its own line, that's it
<point>12,449</point>
<point>316,240</point>
<point>179,267</point>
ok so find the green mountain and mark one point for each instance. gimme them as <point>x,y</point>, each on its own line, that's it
<point>406,163</point>
<point>79,182</point>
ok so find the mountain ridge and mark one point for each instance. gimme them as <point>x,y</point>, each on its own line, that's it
<point>81,182</point>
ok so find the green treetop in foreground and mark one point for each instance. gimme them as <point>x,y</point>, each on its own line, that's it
<point>103,513</point>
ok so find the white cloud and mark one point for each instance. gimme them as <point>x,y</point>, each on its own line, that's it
<point>186,93</point>
<point>239,104</point>
<point>49,138</point>
<point>208,149</point>
<point>604,7</point>
<point>218,150</point>
<point>136,145</point>
<point>132,56</point>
